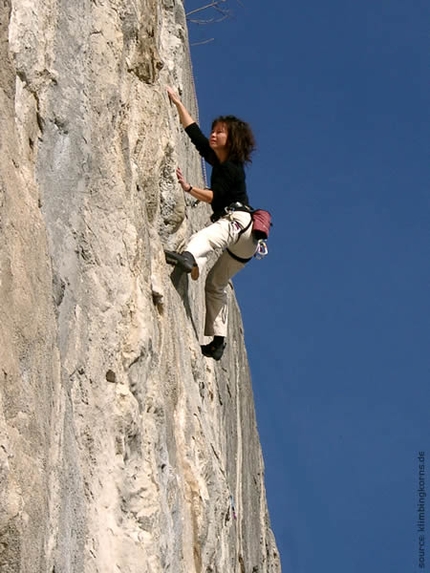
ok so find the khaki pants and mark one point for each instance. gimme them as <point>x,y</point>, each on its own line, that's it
<point>223,234</point>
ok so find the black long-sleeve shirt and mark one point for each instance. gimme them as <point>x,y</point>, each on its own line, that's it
<point>227,178</point>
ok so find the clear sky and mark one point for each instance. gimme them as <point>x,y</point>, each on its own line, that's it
<point>337,317</point>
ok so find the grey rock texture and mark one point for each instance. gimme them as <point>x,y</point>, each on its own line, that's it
<point>122,449</point>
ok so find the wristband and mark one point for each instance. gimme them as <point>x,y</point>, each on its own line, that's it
<point>190,189</point>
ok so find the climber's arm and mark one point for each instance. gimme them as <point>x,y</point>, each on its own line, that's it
<point>205,195</point>
<point>184,114</point>
<point>193,131</point>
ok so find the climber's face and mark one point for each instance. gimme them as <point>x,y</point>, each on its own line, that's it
<point>218,138</point>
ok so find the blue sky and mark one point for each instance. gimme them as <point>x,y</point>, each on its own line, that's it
<point>337,316</point>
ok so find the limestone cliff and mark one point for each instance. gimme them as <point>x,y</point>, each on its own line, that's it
<point>122,449</point>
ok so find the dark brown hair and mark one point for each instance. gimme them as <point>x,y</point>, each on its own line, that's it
<point>240,138</point>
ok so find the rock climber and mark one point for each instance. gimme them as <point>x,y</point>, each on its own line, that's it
<point>227,150</point>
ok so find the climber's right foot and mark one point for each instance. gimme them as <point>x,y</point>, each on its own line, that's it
<point>214,349</point>
<point>185,261</point>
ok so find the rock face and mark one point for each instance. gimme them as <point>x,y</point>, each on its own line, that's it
<point>122,449</point>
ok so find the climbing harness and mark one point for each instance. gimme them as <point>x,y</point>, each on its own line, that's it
<point>261,219</point>
<point>262,250</point>
<point>238,259</point>
<point>261,222</point>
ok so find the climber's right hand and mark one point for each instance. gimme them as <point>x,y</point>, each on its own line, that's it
<point>184,115</point>
<point>173,96</point>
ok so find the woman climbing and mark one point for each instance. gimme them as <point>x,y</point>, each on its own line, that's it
<point>228,148</point>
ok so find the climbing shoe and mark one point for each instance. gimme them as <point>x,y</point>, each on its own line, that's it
<point>214,349</point>
<point>185,261</point>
